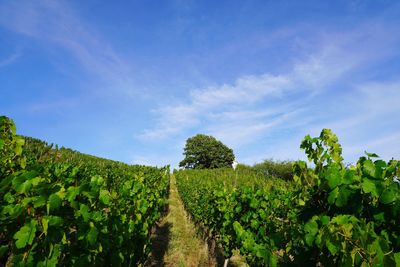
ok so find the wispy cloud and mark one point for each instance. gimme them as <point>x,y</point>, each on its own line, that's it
<point>249,94</point>
<point>10,59</point>
<point>372,120</point>
<point>56,23</point>
<point>257,106</point>
<point>202,104</point>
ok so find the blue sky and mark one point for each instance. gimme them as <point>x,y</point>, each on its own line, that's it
<point>132,80</point>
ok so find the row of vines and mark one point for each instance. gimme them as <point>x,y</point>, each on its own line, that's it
<point>328,215</point>
<point>61,207</point>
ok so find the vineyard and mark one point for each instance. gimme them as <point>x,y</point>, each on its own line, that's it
<point>329,215</point>
<point>62,207</point>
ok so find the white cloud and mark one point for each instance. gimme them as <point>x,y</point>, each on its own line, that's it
<point>251,95</point>
<point>10,59</point>
<point>56,23</point>
<point>299,101</point>
<point>239,132</point>
<point>247,90</point>
<point>369,120</point>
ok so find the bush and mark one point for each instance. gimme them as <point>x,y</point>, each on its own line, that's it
<point>278,169</point>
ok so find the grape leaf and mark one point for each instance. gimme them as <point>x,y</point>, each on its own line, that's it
<point>333,176</point>
<point>84,211</point>
<point>397,258</point>
<point>369,168</point>
<point>26,234</point>
<point>92,235</point>
<point>3,248</point>
<point>54,201</point>
<point>333,195</point>
<point>371,155</point>
<point>368,186</point>
<point>104,196</point>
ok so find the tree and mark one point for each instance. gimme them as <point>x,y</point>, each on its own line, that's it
<point>205,152</point>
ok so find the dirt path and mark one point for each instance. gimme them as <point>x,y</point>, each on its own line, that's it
<point>175,242</point>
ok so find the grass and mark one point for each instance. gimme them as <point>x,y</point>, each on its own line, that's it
<point>175,242</point>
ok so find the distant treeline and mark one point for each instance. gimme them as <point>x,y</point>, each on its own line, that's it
<point>271,168</point>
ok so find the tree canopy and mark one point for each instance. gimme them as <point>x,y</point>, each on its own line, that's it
<point>205,152</point>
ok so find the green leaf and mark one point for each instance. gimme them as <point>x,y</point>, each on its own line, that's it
<point>24,187</point>
<point>349,177</point>
<point>379,217</point>
<point>377,249</point>
<point>240,232</point>
<point>380,164</point>
<point>13,210</point>
<point>39,201</point>
<point>340,219</point>
<point>397,258</point>
<point>343,197</point>
<point>13,128</point>
<point>309,239</point>
<point>9,198</point>
<point>18,150</point>
<point>333,249</point>
<point>3,249</point>
<point>333,195</point>
<point>369,168</point>
<point>72,192</point>
<point>26,201</point>
<point>22,163</point>
<point>311,227</point>
<point>96,180</point>
<point>54,201</point>
<point>45,224</point>
<point>55,221</point>
<point>104,196</point>
<point>23,182</point>
<point>26,234</point>
<point>371,155</point>
<point>143,207</point>
<point>301,202</point>
<point>55,252</point>
<point>333,176</point>
<point>368,186</point>
<point>35,181</point>
<point>388,196</point>
<point>1,143</point>
<point>325,219</point>
<point>84,211</point>
<point>64,239</point>
<point>92,235</point>
<point>255,224</point>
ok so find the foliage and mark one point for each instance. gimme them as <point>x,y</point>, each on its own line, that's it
<point>350,214</point>
<point>240,212</point>
<point>205,152</point>
<point>332,216</point>
<point>278,169</point>
<point>60,207</point>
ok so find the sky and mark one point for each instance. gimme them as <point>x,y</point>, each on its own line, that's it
<point>133,80</point>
